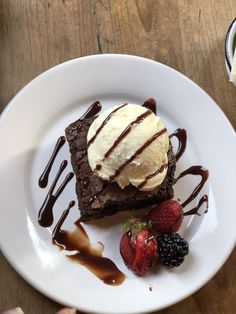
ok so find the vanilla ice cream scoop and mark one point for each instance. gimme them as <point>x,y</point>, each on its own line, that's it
<point>128,144</point>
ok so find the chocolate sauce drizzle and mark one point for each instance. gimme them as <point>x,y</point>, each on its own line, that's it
<point>103,124</point>
<point>45,216</point>
<point>194,211</point>
<point>98,167</point>
<point>92,110</point>
<point>194,170</point>
<point>86,255</point>
<point>138,151</point>
<point>138,120</point>
<point>144,182</point>
<point>43,179</point>
<point>151,105</point>
<point>181,135</point>
<point>58,235</point>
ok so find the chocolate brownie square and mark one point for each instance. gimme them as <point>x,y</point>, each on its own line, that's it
<point>98,198</point>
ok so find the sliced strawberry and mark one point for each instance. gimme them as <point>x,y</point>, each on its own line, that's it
<point>138,247</point>
<point>126,249</point>
<point>145,252</point>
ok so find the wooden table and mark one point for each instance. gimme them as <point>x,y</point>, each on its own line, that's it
<point>187,35</point>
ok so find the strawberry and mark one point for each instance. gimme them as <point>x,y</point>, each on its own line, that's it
<point>138,247</point>
<point>166,216</point>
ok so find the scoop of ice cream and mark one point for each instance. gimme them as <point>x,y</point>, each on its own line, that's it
<point>128,144</point>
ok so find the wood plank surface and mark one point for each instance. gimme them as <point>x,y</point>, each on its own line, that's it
<point>187,35</point>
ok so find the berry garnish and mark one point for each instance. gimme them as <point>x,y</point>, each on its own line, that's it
<point>138,247</point>
<point>166,216</point>
<point>172,249</point>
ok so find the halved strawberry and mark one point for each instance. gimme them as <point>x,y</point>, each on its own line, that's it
<point>138,247</point>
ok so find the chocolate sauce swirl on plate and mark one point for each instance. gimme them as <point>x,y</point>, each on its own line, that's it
<point>45,216</point>
<point>194,170</point>
<point>181,135</point>
<point>92,111</point>
<point>194,211</point>
<point>151,105</point>
<point>85,254</point>
<point>43,179</point>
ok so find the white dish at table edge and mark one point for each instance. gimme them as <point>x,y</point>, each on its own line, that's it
<point>230,47</point>
<point>56,98</point>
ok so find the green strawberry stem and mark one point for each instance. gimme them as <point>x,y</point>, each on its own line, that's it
<point>135,225</point>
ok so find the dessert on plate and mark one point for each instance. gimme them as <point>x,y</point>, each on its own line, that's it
<point>122,159</point>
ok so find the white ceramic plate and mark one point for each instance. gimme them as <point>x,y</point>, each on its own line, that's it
<point>29,128</point>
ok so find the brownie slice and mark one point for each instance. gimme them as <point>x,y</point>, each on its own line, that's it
<point>98,198</point>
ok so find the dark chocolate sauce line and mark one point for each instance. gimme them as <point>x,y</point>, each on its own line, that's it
<point>150,176</point>
<point>102,267</point>
<point>151,105</point>
<point>194,211</point>
<point>103,124</point>
<point>181,135</point>
<point>45,217</point>
<point>43,179</point>
<point>194,170</point>
<point>138,120</point>
<point>92,110</point>
<point>61,188</point>
<point>86,255</point>
<point>98,167</point>
<point>138,152</point>
<point>57,232</point>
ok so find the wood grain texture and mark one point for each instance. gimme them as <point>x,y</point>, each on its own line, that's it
<point>187,35</point>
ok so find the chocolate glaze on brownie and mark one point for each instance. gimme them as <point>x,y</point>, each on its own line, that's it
<point>98,198</point>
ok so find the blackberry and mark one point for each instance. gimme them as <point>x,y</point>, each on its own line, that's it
<point>172,249</point>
